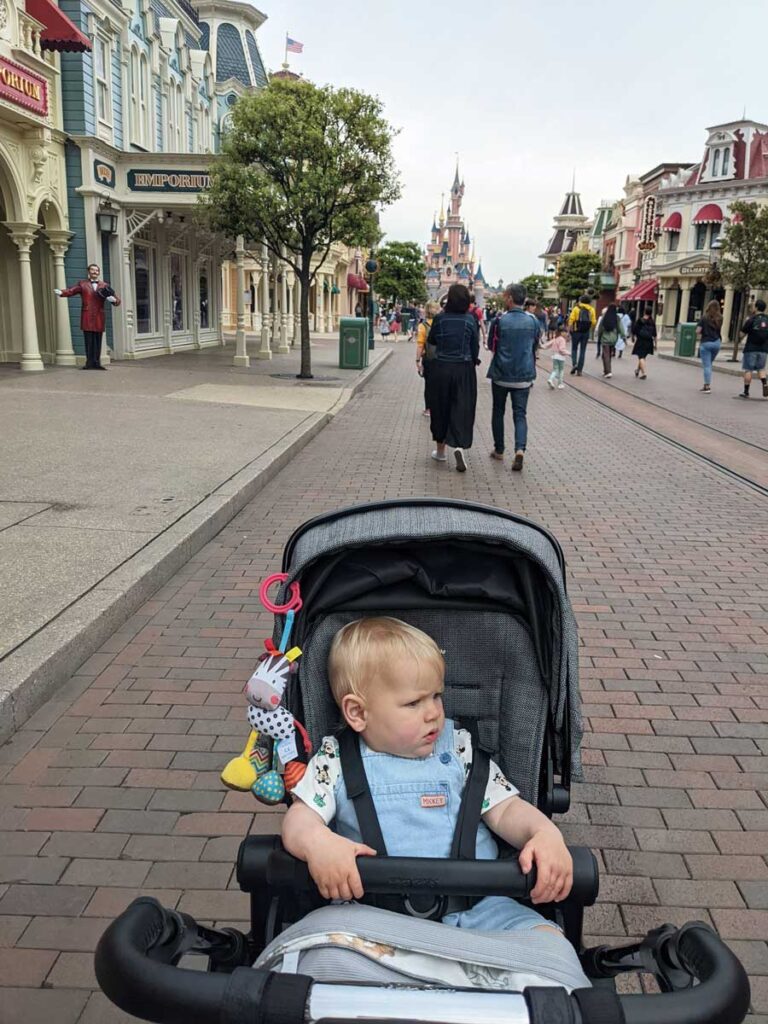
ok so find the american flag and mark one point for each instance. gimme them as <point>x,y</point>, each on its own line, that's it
<point>292,46</point>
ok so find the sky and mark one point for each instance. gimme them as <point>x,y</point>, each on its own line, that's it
<point>529,94</point>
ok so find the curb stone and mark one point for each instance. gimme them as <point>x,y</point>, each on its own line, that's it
<point>30,674</point>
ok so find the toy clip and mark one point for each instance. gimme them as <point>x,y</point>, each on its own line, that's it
<point>294,604</point>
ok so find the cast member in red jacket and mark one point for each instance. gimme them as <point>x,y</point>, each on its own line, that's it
<point>94,293</point>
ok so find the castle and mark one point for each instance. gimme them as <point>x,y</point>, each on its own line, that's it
<point>450,255</point>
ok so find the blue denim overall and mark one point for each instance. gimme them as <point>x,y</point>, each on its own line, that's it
<point>417,802</point>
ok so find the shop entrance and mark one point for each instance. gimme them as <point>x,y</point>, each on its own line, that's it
<point>10,327</point>
<point>43,284</point>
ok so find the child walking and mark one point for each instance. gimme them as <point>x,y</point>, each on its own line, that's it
<point>559,343</point>
<point>387,679</point>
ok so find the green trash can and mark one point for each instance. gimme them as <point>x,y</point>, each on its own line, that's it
<point>353,343</point>
<point>685,342</point>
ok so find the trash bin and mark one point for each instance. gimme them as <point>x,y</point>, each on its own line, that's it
<point>685,342</point>
<point>353,343</point>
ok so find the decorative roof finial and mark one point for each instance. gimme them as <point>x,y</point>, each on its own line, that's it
<point>442,208</point>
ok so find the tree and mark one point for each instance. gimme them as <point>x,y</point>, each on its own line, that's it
<point>574,271</point>
<point>301,168</point>
<point>535,285</point>
<point>401,273</point>
<point>744,260</point>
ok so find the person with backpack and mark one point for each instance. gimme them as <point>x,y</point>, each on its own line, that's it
<point>581,323</point>
<point>645,342</point>
<point>424,355</point>
<point>708,333</point>
<point>609,329</point>
<point>755,353</point>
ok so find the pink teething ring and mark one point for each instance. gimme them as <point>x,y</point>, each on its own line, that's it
<point>294,604</point>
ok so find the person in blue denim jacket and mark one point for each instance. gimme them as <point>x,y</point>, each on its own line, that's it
<point>512,371</point>
<point>387,678</point>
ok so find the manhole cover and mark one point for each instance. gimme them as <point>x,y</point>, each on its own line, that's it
<point>314,380</point>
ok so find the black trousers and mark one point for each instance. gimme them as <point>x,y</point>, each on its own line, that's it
<point>92,348</point>
<point>452,394</point>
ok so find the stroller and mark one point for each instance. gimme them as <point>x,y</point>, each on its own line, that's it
<point>490,588</point>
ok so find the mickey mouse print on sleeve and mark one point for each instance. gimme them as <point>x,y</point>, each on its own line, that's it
<point>317,789</point>
<point>499,787</point>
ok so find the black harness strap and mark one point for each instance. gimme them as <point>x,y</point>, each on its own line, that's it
<point>464,846</point>
<point>359,791</point>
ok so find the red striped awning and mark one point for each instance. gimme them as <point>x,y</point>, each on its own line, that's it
<point>674,222</point>
<point>645,291</point>
<point>709,214</point>
<point>59,33</point>
<point>357,282</point>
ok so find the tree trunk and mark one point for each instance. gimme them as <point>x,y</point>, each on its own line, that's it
<point>743,299</point>
<point>306,351</point>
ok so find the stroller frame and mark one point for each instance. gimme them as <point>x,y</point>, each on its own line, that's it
<point>137,960</point>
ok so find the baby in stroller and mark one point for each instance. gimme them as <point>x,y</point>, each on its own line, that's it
<point>387,678</point>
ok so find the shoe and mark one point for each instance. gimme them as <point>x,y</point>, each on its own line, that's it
<point>573,371</point>
<point>461,462</point>
<point>99,367</point>
<point>87,367</point>
<point>643,376</point>
<point>439,458</point>
<point>637,372</point>
<point>517,465</point>
<point>496,455</point>
<point>765,389</point>
<point>706,390</point>
<point>550,383</point>
<point>425,413</point>
<point>607,376</point>
<point>743,394</point>
<point>578,373</point>
<point>561,387</point>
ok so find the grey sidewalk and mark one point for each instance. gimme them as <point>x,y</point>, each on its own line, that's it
<point>110,481</point>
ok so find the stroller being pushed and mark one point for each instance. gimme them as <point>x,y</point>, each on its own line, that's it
<point>489,588</point>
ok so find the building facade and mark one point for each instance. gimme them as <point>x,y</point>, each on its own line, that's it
<point>450,255</point>
<point>34,222</point>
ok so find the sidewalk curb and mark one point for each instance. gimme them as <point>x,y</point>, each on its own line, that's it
<point>732,371</point>
<point>30,674</point>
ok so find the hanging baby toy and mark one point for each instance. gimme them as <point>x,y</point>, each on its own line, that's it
<point>268,765</point>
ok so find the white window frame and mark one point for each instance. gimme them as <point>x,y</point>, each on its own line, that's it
<point>154,327</point>
<point>725,169</point>
<point>184,262</point>
<point>103,82</point>
<point>133,85</point>
<point>178,99</point>
<point>716,163</point>
<point>144,112</point>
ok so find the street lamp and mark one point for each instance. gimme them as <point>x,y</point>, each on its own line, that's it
<point>106,218</point>
<point>371,267</point>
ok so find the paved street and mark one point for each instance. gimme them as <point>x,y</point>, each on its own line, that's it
<point>112,788</point>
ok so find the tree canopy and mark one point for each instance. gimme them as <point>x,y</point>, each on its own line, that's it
<point>574,271</point>
<point>744,255</point>
<point>303,167</point>
<point>535,285</point>
<point>401,273</point>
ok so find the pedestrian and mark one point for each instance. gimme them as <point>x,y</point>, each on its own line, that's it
<point>708,332</point>
<point>626,323</point>
<point>609,329</point>
<point>358,310</point>
<point>513,371</point>
<point>552,323</point>
<point>384,325</point>
<point>755,353</point>
<point>580,323</point>
<point>394,324</point>
<point>425,356</point>
<point>477,312</point>
<point>645,342</point>
<point>530,308</point>
<point>452,376</point>
<point>94,293</point>
<point>559,345</point>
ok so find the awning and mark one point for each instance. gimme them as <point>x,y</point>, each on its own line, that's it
<point>645,291</point>
<point>59,33</point>
<point>357,282</point>
<point>674,222</point>
<point>709,214</point>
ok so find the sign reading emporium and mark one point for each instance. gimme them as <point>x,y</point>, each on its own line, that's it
<point>168,181</point>
<point>23,88</point>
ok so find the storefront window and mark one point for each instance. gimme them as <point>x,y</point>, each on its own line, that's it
<point>674,241</point>
<point>205,312</point>
<point>177,291</point>
<point>143,280</point>
<point>103,58</point>
<point>715,235</point>
<point>701,235</point>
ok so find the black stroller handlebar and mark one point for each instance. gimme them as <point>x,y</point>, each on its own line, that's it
<point>135,966</point>
<point>262,861</point>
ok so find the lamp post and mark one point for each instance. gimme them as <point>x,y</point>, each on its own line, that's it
<point>371,268</point>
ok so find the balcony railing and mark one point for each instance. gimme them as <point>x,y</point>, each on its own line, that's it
<point>663,259</point>
<point>29,35</point>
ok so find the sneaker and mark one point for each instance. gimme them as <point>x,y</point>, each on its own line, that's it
<point>743,394</point>
<point>461,462</point>
<point>497,455</point>
<point>439,458</point>
<point>573,371</point>
<point>637,372</point>
<point>517,465</point>
<point>561,387</point>
<point>551,383</point>
<point>706,390</point>
<point>425,413</point>
<point>607,376</point>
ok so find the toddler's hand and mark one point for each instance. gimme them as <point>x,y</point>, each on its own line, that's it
<point>334,869</point>
<point>554,865</point>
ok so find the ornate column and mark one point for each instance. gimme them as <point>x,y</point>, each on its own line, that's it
<point>241,349</point>
<point>166,293</point>
<point>296,311</point>
<point>59,243</point>
<point>685,300</point>
<point>23,236</point>
<point>283,346</point>
<point>256,311</point>
<point>265,352</point>
<point>277,308</point>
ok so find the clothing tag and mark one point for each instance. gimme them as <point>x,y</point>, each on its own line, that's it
<point>286,750</point>
<point>433,800</point>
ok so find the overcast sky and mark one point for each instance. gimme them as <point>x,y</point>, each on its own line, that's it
<point>528,92</point>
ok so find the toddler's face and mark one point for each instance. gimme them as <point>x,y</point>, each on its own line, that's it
<point>404,712</point>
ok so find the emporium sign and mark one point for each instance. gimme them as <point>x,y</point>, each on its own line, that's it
<point>648,225</point>
<point>23,88</point>
<point>168,181</point>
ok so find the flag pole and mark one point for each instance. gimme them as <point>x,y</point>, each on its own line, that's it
<point>285,63</point>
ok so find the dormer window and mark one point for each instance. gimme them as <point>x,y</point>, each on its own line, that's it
<point>716,163</point>
<point>720,166</point>
<point>726,161</point>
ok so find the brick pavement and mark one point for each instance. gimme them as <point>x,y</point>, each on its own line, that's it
<point>112,788</point>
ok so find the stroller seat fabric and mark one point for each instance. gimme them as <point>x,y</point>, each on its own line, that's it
<point>359,944</point>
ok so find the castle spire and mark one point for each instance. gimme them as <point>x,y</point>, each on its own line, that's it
<point>442,209</point>
<point>456,179</point>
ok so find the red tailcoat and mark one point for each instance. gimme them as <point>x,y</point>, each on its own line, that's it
<point>92,315</point>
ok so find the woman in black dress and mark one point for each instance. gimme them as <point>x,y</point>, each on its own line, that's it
<point>453,378</point>
<point>644,331</point>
